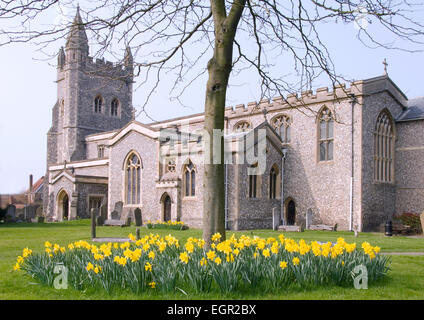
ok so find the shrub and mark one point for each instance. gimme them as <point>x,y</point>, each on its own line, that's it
<point>410,219</point>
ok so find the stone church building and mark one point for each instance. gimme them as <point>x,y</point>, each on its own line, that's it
<point>351,155</point>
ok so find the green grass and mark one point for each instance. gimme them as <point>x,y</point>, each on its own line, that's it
<point>404,281</point>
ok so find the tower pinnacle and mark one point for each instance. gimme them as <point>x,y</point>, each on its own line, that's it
<point>77,38</point>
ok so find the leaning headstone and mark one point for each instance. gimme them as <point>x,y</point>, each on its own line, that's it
<point>137,216</point>
<point>118,208</point>
<point>114,215</point>
<point>422,222</point>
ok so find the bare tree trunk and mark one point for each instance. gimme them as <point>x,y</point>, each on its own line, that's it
<point>219,68</point>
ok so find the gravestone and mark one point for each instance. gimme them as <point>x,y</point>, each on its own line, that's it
<point>99,221</point>
<point>275,218</point>
<point>39,211</point>
<point>137,216</point>
<point>118,208</point>
<point>11,211</point>
<point>29,213</point>
<point>102,216</point>
<point>93,215</point>
<point>19,215</point>
<point>308,218</point>
<point>117,223</point>
<point>290,228</point>
<point>103,211</point>
<point>114,215</point>
<point>128,215</point>
<point>38,219</point>
<point>323,227</point>
<point>422,222</point>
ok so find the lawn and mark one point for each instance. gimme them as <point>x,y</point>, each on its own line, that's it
<point>404,281</point>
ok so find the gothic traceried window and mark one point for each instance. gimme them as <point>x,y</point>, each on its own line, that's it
<point>281,124</point>
<point>98,102</point>
<point>114,107</point>
<point>242,126</point>
<point>132,179</point>
<point>384,142</point>
<point>189,176</point>
<point>326,135</point>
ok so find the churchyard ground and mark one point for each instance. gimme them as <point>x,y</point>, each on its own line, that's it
<point>405,279</point>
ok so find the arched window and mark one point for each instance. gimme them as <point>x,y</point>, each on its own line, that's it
<point>384,143</point>
<point>274,182</point>
<point>326,135</point>
<point>242,126</point>
<point>98,102</point>
<point>281,124</point>
<point>114,107</point>
<point>189,173</point>
<point>132,179</point>
<point>254,181</point>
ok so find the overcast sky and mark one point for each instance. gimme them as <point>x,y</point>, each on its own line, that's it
<point>28,93</point>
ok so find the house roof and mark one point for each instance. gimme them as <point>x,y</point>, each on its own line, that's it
<point>414,110</point>
<point>37,186</point>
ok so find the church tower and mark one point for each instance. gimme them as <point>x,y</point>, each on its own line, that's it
<point>92,96</point>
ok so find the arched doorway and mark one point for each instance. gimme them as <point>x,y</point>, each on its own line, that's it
<point>63,206</point>
<point>291,212</point>
<point>166,207</point>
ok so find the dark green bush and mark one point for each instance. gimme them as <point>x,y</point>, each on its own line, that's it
<point>410,219</point>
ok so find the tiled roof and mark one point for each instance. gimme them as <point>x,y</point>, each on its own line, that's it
<point>37,185</point>
<point>414,111</point>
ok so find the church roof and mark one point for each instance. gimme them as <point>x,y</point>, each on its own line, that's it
<point>414,111</point>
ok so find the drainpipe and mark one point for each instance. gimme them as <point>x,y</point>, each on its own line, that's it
<point>353,101</point>
<point>283,160</point>
<point>226,195</point>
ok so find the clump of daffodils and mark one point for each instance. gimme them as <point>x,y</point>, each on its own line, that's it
<point>170,224</point>
<point>160,262</point>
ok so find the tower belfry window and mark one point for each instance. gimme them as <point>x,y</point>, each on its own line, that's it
<point>98,102</point>
<point>326,135</point>
<point>114,107</point>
